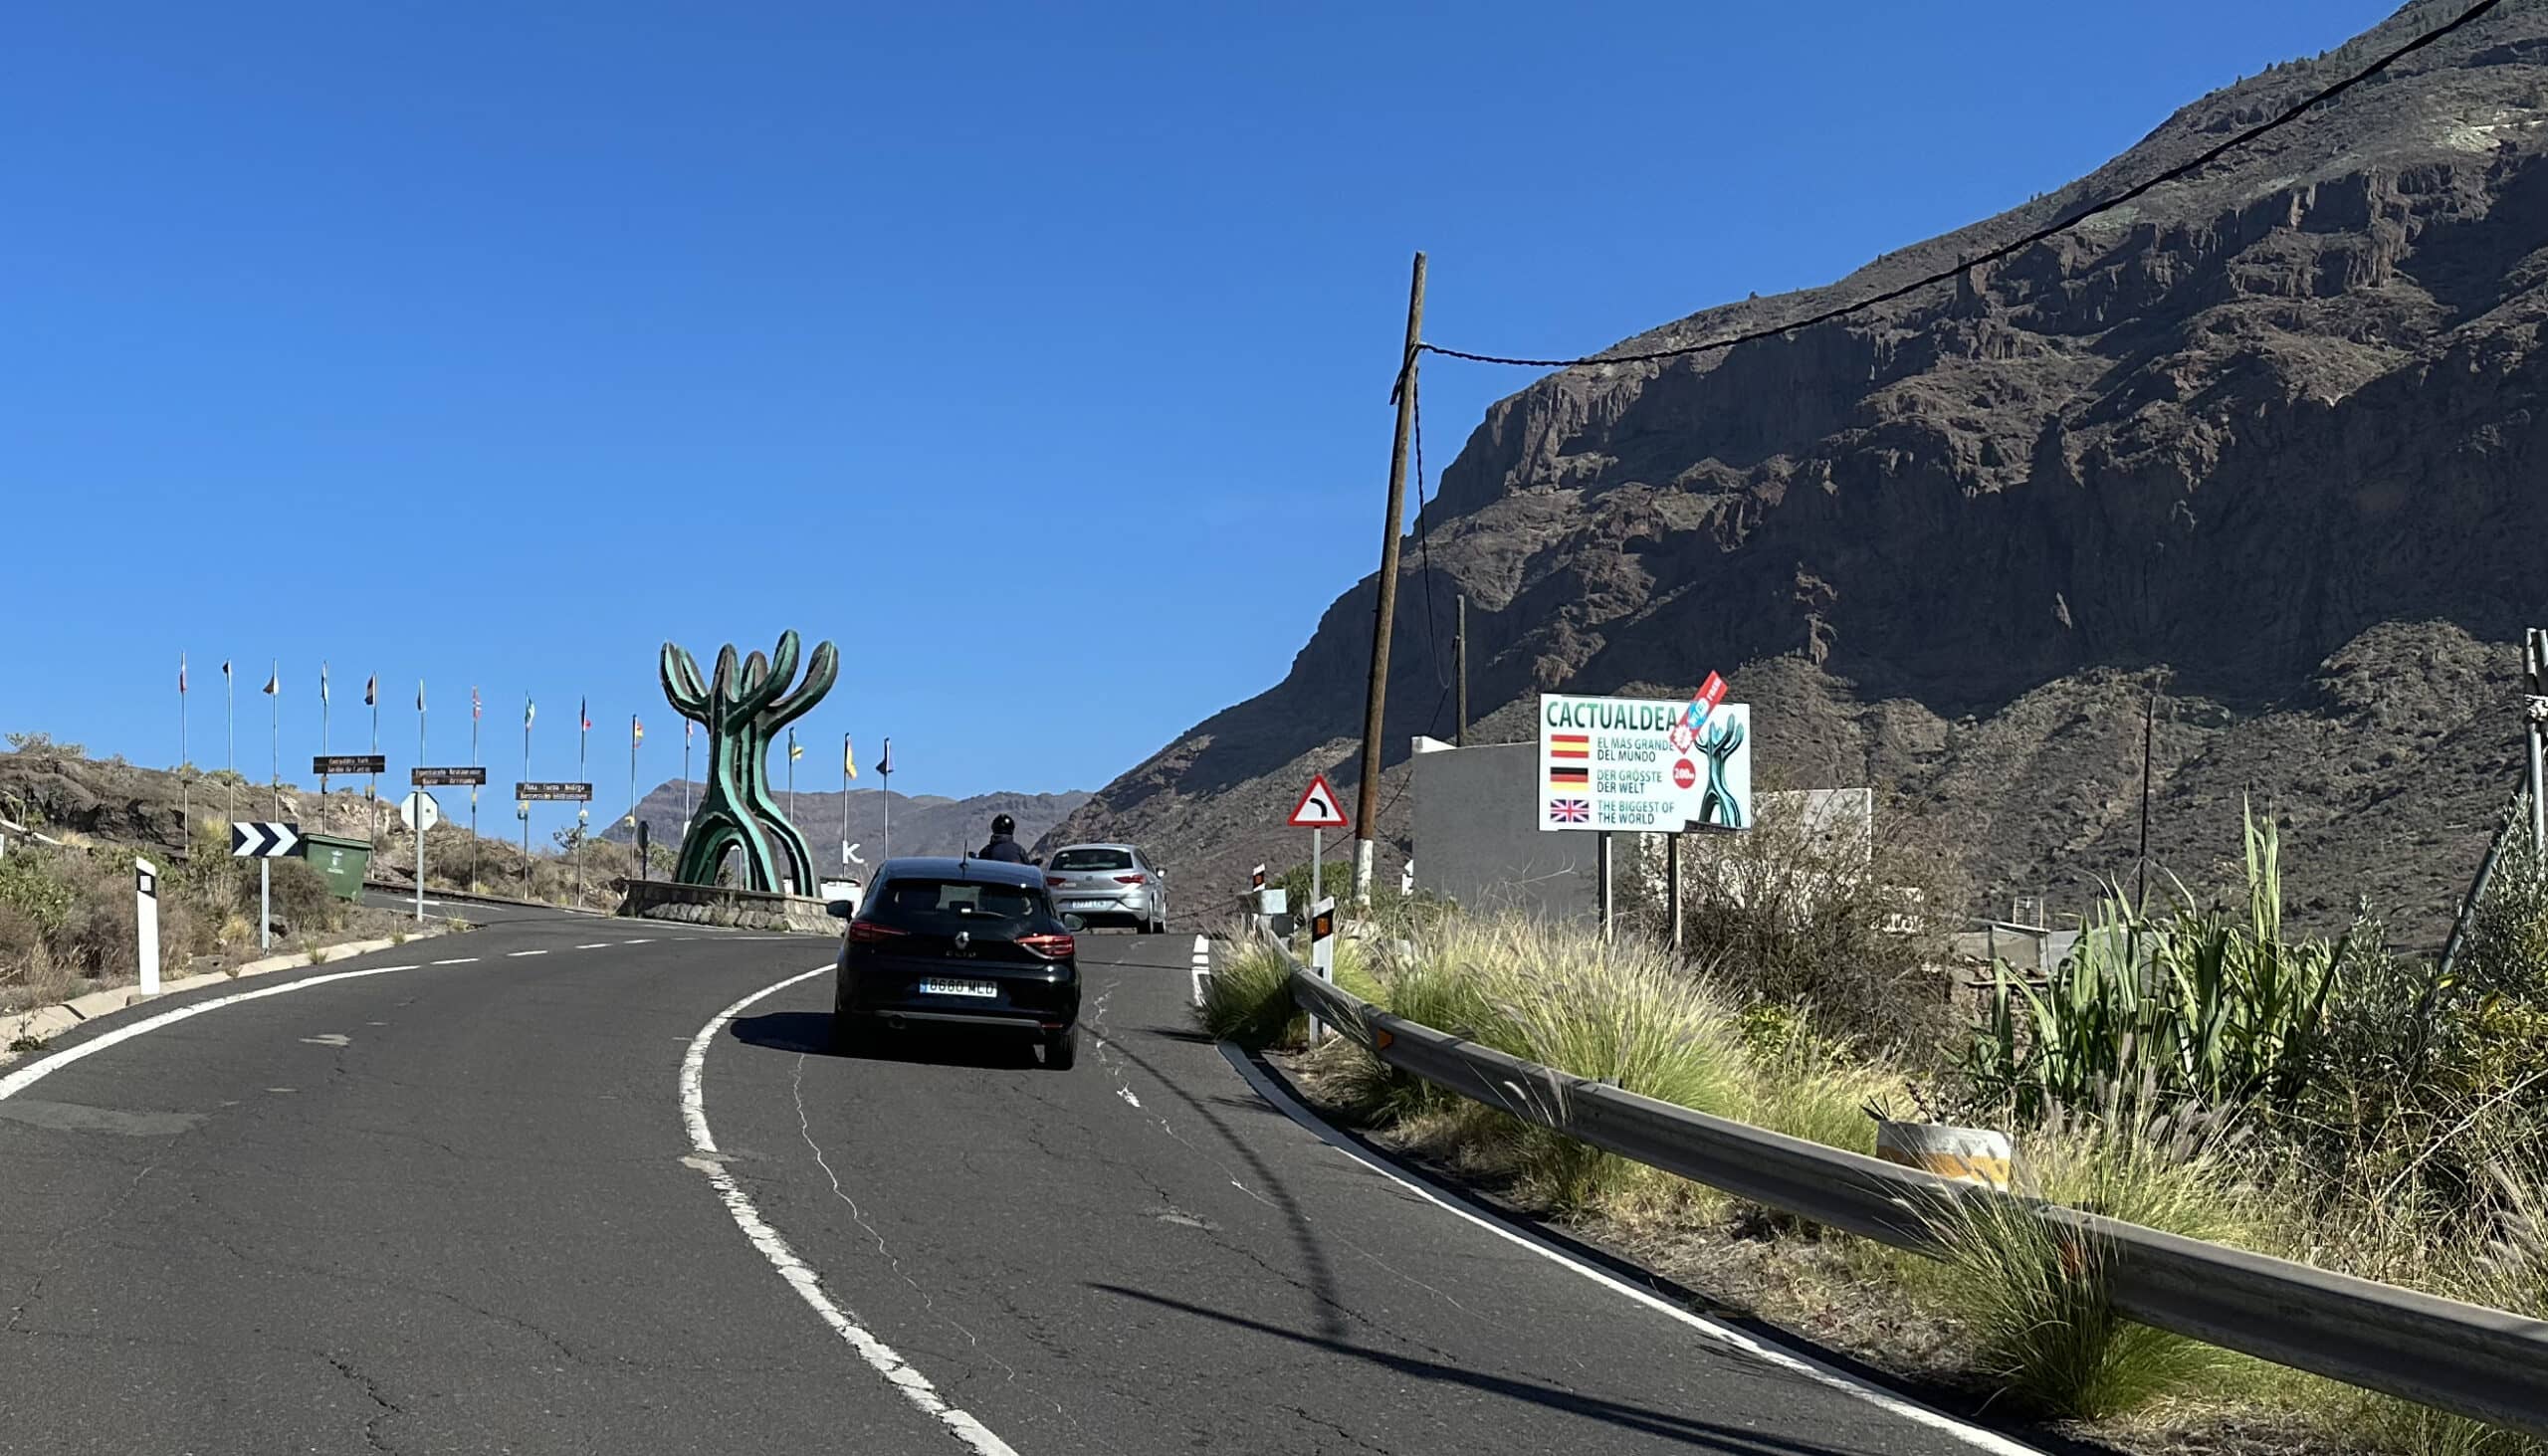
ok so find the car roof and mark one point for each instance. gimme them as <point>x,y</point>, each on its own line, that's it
<point>947,867</point>
<point>1099,844</point>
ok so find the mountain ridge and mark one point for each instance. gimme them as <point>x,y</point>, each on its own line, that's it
<point>2264,430</point>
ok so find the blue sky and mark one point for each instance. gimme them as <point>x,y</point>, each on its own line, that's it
<point>1042,352</point>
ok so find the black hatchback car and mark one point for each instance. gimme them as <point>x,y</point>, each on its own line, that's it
<point>958,942</point>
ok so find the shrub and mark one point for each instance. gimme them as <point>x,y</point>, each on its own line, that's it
<point>2033,1295</point>
<point>1248,1000</point>
<point>1805,911</point>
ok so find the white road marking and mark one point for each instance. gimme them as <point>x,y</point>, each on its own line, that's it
<point>640,941</point>
<point>518,955</point>
<point>459,960</point>
<point>595,946</point>
<point>27,1076</point>
<point>879,1356</point>
<point>1725,1334</point>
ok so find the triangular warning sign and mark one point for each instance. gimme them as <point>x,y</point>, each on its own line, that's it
<point>1318,807</point>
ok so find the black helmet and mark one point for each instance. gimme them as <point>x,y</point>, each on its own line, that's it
<point>1003,824</point>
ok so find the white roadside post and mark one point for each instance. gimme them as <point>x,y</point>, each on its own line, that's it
<point>146,919</point>
<point>1322,953</point>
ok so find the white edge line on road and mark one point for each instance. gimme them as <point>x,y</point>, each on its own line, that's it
<point>595,946</point>
<point>28,1075</point>
<point>640,941</point>
<point>879,1356</point>
<point>518,955</point>
<point>459,960</point>
<point>1787,1360</point>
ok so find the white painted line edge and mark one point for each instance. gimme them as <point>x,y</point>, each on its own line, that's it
<point>459,960</point>
<point>42,1067</point>
<point>518,955</point>
<point>595,946</point>
<point>1787,1360</point>
<point>879,1356</point>
<point>640,941</point>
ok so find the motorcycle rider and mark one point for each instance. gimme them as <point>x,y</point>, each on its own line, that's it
<point>1003,845</point>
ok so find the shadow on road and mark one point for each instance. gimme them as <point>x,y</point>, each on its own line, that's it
<point>809,1033</point>
<point>1705,1435</point>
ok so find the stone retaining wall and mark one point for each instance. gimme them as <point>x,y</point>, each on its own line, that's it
<point>708,904</point>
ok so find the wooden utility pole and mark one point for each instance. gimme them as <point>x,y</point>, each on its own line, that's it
<point>1366,797</point>
<point>1460,665</point>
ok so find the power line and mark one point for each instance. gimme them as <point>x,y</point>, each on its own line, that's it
<point>2005,250</point>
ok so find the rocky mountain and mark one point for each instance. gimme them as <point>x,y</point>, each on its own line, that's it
<point>922,824</point>
<point>2273,430</point>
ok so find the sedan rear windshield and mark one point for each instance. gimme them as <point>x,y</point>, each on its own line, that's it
<point>947,905</point>
<point>1093,859</point>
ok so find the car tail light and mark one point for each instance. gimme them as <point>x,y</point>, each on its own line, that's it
<point>1057,881</point>
<point>1131,879</point>
<point>868,932</point>
<point>1051,948</point>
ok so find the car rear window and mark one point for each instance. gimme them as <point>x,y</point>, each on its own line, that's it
<point>950,905</point>
<point>1093,859</point>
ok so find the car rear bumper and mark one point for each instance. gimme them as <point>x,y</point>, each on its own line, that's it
<point>1020,1003</point>
<point>1138,904</point>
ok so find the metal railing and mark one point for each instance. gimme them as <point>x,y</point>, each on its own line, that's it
<point>2473,1361</point>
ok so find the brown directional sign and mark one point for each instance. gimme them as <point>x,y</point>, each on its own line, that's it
<point>349,763</point>
<point>580,792</point>
<point>438,778</point>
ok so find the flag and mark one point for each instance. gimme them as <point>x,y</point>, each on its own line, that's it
<point>795,750</point>
<point>181,675</point>
<point>476,708</point>
<point>584,712</point>
<point>1570,811</point>
<point>636,732</point>
<point>371,692</point>
<point>528,709</point>
<point>885,761</point>
<point>274,680</point>
<point>225,667</point>
<point>1569,780</point>
<point>420,695</point>
<point>848,758</point>
<point>323,684</point>
<point>1570,745</point>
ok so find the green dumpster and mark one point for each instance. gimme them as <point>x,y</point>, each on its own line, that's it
<point>342,860</point>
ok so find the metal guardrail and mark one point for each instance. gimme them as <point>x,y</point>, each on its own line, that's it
<point>2474,1362</point>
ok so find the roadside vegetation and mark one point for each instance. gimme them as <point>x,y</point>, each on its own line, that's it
<point>2194,1067</point>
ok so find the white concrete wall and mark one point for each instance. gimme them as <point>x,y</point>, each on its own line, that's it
<point>1478,839</point>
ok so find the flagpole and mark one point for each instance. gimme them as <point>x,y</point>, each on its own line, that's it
<point>791,778</point>
<point>524,808</point>
<point>373,693</point>
<point>632,780</point>
<point>474,709</point>
<point>185,781</point>
<point>686,727</point>
<point>273,699</point>
<point>844,805</point>
<point>230,740</point>
<point>885,772</point>
<point>326,746</point>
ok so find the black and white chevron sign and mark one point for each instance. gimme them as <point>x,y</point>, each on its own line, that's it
<point>261,841</point>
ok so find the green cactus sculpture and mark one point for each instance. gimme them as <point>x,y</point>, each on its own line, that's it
<point>744,709</point>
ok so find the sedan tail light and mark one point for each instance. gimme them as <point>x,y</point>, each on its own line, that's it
<point>1051,948</point>
<point>868,932</point>
<point>1132,879</point>
<point>1057,881</point>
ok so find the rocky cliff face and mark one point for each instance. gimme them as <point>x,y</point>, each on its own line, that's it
<point>2275,429</point>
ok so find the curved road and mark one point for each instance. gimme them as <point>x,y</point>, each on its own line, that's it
<point>455,1209</point>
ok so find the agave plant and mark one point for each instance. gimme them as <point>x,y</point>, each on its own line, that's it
<point>2197,1005</point>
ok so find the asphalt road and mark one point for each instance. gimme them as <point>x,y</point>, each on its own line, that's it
<point>455,1209</point>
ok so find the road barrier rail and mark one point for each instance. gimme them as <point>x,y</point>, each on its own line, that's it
<point>2484,1364</point>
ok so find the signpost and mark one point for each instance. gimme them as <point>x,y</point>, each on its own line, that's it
<point>1316,812</point>
<point>578,793</point>
<point>265,842</point>
<point>333,763</point>
<point>445,777</point>
<point>419,812</point>
<point>146,919</point>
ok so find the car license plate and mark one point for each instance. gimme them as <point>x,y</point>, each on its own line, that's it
<point>935,987</point>
<point>1089,903</point>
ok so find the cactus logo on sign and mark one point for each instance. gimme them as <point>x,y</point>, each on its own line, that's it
<point>1619,763</point>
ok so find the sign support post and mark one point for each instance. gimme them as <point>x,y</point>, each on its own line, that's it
<point>264,843</point>
<point>146,919</point>
<point>1672,883</point>
<point>265,903</point>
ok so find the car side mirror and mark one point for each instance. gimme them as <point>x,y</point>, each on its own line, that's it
<point>1074,923</point>
<point>841,909</point>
